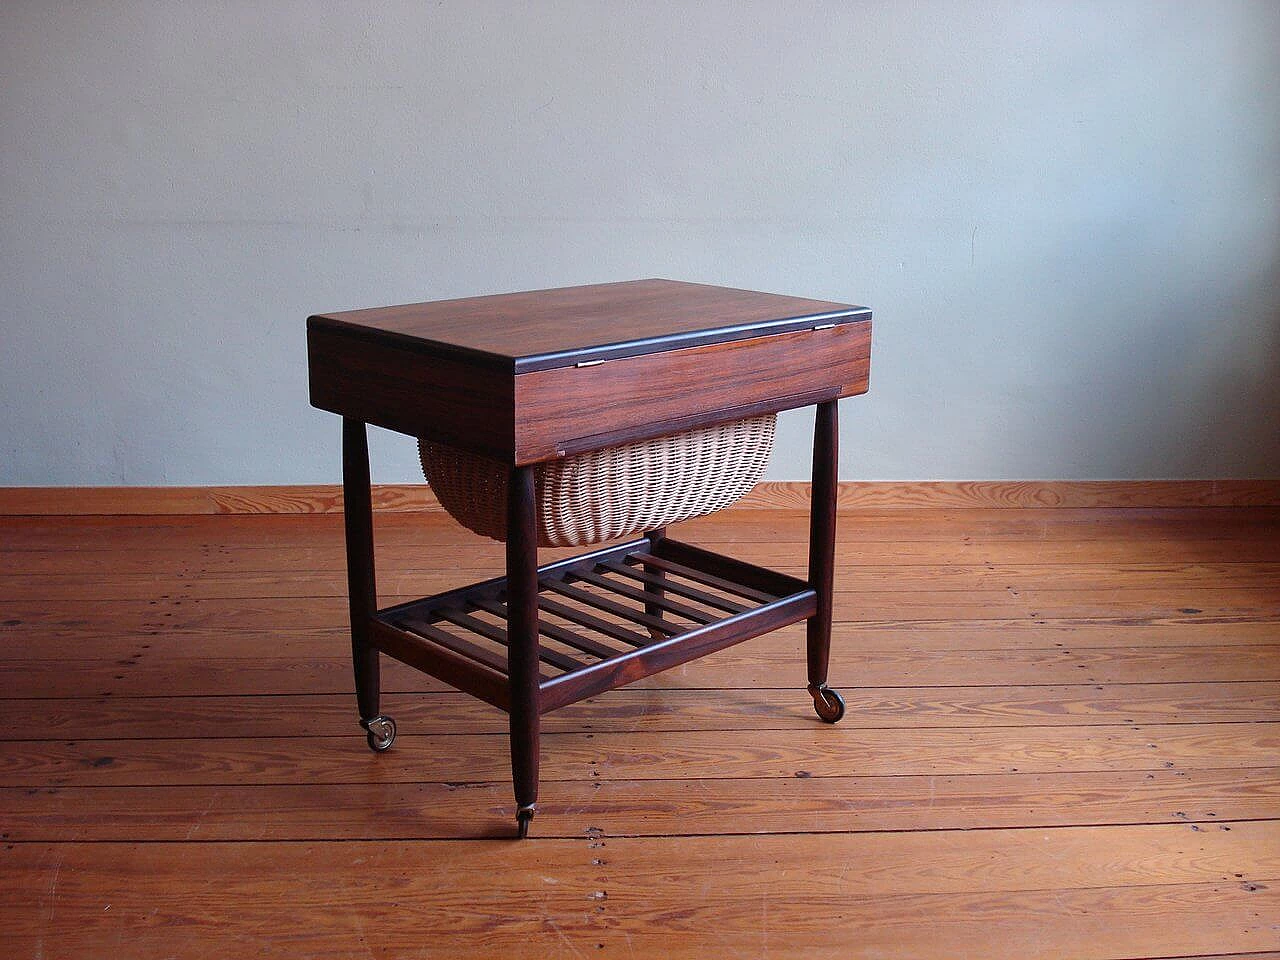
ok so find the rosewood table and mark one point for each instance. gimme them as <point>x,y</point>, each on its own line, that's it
<point>525,378</point>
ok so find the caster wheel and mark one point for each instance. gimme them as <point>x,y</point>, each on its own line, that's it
<point>523,816</point>
<point>828,704</point>
<point>381,733</point>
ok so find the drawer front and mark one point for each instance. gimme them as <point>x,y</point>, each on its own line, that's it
<point>571,409</point>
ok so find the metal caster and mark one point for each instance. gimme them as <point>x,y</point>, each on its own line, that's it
<point>827,702</point>
<point>523,816</point>
<point>381,733</point>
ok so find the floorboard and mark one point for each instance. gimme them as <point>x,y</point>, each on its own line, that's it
<point>1062,741</point>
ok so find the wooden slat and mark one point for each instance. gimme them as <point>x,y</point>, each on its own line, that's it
<point>677,587</point>
<point>449,641</point>
<point>592,622</point>
<point>625,590</point>
<point>762,581</point>
<point>446,668</point>
<point>578,641</point>
<point>706,579</point>
<point>497,634</point>
<point>629,614</point>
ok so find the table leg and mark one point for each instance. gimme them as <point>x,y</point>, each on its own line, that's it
<point>655,590</point>
<point>822,546</point>
<point>522,641</point>
<point>357,509</point>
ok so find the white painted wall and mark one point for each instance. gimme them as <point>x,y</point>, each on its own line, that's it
<point>1066,215</point>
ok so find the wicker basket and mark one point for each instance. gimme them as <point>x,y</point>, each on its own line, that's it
<point>604,494</point>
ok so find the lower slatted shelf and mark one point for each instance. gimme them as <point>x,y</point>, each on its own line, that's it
<point>605,619</point>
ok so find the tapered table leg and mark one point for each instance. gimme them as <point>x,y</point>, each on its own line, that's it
<point>357,509</point>
<point>822,546</point>
<point>522,641</point>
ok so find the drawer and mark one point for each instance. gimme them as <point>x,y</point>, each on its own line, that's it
<point>571,409</point>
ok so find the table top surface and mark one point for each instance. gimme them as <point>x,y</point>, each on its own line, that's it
<point>541,329</point>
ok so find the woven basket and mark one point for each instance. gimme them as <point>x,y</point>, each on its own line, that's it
<point>604,494</point>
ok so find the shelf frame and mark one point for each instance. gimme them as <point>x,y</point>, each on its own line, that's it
<point>602,642</point>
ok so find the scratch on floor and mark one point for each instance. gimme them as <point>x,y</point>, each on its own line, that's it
<point>53,898</point>
<point>200,817</point>
<point>560,933</point>
<point>764,922</point>
<point>53,885</point>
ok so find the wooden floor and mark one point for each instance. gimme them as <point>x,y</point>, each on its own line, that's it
<point>1063,740</point>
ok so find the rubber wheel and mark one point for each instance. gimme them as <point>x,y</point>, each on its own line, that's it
<point>381,744</point>
<point>829,705</point>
